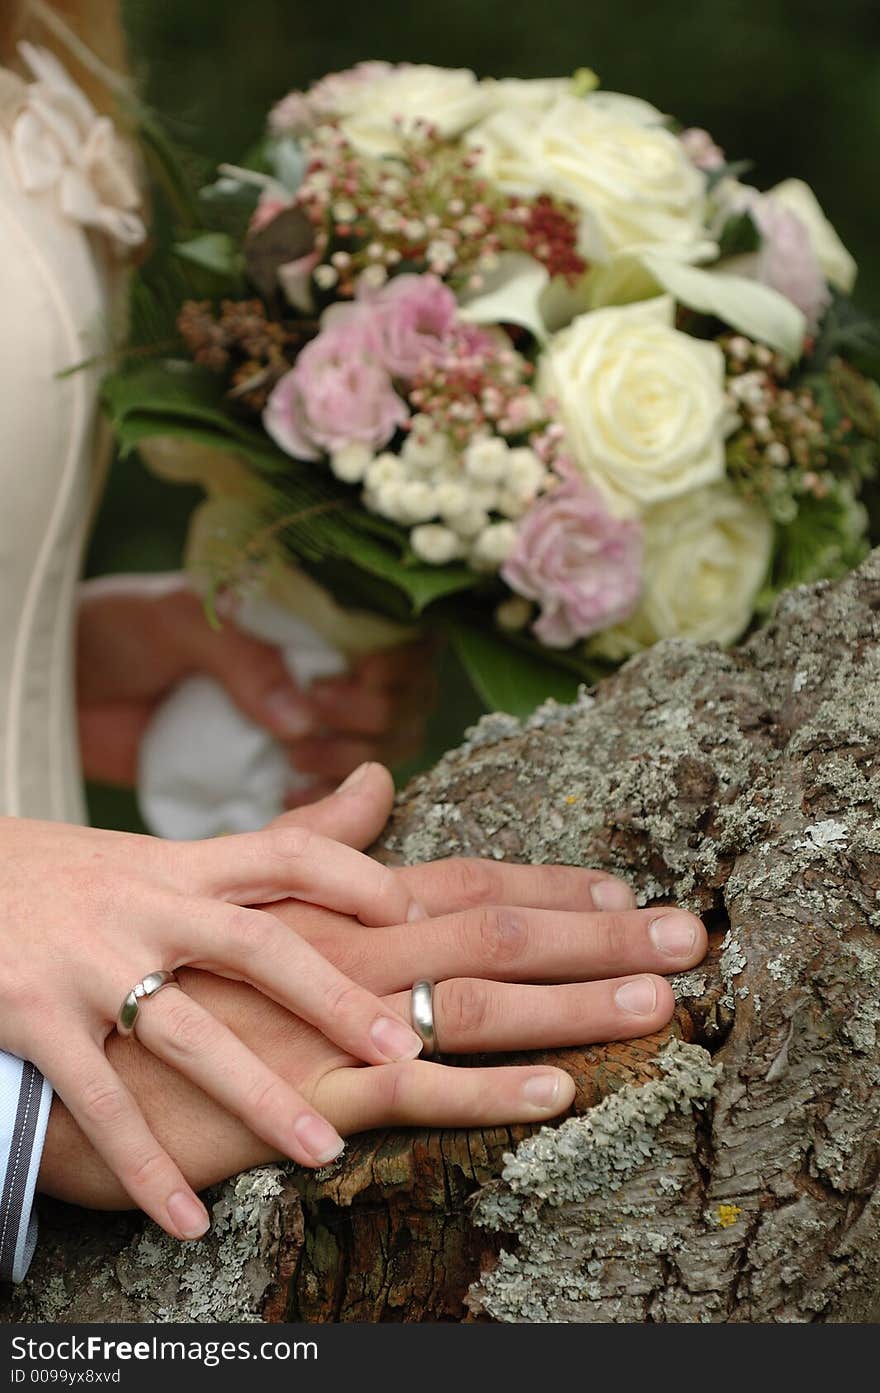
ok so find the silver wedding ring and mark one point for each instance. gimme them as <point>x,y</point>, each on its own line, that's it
<point>422,1014</point>
<point>149,986</point>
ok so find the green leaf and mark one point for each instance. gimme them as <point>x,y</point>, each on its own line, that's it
<point>849,332</point>
<point>513,675</point>
<point>732,170</point>
<point>318,520</point>
<point>216,252</point>
<point>739,236</point>
<point>175,392</point>
<point>826,539</point>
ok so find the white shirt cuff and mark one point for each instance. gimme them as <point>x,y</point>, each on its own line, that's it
<point>25,1100</point>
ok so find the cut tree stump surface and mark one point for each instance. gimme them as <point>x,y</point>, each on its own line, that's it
<point>723,1170</point>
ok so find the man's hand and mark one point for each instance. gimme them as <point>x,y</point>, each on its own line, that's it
<point>524,957</point>
<point>139,636</point>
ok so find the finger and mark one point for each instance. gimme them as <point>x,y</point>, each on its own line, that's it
<point>259,949</point>
<point>528,945</point>
<point>462,882</point>
<point>335,756</point>
<point>106,1112</point>
<point>347,705</point>
<point>434,1095</point>
<point>313,792</point>
<point>292,860</point>
<point>397,667</point>
<point>354,813</point>
<point>351,708</point>
<point>182,1033</point>
<point>255,676</point>
<point>472,1015</point>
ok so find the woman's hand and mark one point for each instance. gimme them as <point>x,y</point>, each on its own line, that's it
<point>87,914</point>
<point>524,958</point>
<point>141,635</point>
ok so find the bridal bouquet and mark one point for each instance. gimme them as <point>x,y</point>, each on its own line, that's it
<point>523,358</point>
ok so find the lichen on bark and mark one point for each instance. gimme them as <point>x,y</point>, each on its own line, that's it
<point>724,1171</point>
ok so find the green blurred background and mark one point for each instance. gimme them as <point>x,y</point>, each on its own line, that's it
<point>792,84</point>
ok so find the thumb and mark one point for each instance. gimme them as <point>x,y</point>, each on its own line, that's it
<point>257,680</point>
<point>355,814</point>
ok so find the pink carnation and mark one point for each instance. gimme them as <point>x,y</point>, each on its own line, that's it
<point>580,564</point>
<point>412,317</point>
<point>298,112</point>
<point>337,394</point>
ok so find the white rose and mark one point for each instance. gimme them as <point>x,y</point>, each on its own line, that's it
<point>630,177</point>
<point>381,109</point>
<point>642,404</point>
<point>531,95</point>
<point>836,262</point>
<point>706,558</point>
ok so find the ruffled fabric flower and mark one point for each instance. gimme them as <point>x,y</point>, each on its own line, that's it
<point>580,564</point>
<point>60,144</point>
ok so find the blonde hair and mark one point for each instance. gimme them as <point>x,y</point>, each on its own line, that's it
<point>87,36</point>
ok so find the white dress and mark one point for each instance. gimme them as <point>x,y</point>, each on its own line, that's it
<point>68,204</point>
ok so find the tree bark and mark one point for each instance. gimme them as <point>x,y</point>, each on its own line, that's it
<point>725,1170</point>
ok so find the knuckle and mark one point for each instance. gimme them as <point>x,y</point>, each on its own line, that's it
<point>268,1097</point>
<point>615,939</point>
<point>502,937</point>
<point>465,1008</point>
<point>143,1172</point>
<point>343,998</point>
<point>395,1088</point>
<point>474,882</point>
<point>247,930</point>
<point>103,1103</point>
<point>291,842</point>
<point>188,1031</point>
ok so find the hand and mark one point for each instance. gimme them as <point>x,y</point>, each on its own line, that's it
<point>86,914</point>
<point>478,953</point>
<point>139,636</point>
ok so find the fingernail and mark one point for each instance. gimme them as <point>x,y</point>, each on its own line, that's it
<point>287,714</point>
<point>638,997</point>
<point>187,1214</point>
<point>612,894</point>
<point>674,935</point>
<point>356,777</point>
<point>394,1039</point>
<point>542,1091</point>
<point>415,911</point>
<point>318,1138</point>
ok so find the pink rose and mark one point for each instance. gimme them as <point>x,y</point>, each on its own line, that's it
<point>337,394</point>
<point>580,564</point>
<point>412,317</point>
